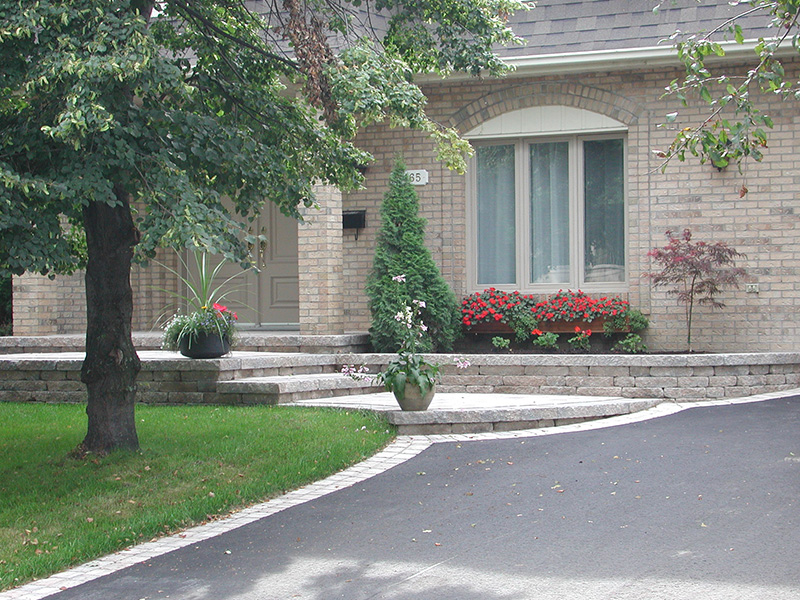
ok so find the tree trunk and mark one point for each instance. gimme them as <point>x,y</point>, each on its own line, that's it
<point>111,365</point>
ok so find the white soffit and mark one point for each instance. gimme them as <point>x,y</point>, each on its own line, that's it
<point>541,120</point>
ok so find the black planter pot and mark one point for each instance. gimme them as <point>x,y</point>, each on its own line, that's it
<point>204,345</point>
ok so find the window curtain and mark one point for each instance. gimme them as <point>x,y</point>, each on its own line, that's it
<point>604,206</point>
<point>549,214</point>
<point>496,226</point>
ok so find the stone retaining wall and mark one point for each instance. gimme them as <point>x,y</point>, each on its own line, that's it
<point>165,377</point>
<point>678,377</point>
<point>170,380</point>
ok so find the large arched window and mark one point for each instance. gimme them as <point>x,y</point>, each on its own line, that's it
<point>547,201</point>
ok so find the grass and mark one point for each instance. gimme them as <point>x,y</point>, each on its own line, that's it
<point>196,463</point>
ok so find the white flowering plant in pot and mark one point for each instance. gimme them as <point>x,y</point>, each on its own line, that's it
<point>409,367</point>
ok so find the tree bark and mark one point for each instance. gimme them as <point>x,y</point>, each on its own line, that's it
<point>111,365</point>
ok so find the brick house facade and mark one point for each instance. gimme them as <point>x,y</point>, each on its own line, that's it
<point>584,76</point>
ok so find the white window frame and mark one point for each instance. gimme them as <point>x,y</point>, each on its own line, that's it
<point>522,215</point>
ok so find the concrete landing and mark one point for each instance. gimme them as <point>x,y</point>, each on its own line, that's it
<point>478,413</point>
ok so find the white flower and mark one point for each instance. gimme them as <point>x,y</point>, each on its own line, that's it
<point>399,278</point>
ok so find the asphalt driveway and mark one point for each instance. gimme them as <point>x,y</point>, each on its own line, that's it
<point>699,505</point>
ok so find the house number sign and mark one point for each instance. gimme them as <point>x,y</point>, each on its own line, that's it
<point>418,176</point>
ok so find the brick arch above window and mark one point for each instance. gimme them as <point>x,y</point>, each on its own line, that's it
<point>555,93</point>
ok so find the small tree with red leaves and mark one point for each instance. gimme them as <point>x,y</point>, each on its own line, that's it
<point>696,271</point>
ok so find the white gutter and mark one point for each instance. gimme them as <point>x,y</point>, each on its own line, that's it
<point>609,60</point>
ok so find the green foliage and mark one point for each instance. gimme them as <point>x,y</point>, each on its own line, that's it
<point>444,36</point>
<point>545,340</point>
<point>401,252</point>
<point>213,320</point>
<point>99,99</point>
<point>734,128</point>
<point>637,321</point>
<point>581,342</point>
<point>631,320</point>
<point>522,321</point>
<point>501,343</point>
<point>201,282</point>
<point>631,343</point>
<point>162,118</point>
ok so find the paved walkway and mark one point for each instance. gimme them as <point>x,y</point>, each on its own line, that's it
<point>403,449</point>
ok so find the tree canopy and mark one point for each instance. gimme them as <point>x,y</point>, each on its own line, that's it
<point>202,100</point>
<point>124,124</point>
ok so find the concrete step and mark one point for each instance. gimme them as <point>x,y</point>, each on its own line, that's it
<point>247,340</point>
<point>282,389</point>
<point>455,413</point>
<point>510,419</point>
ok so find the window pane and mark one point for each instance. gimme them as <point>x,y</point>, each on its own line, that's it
<point>604,231</point>
<point>496,222</point>
<point>549,164</point>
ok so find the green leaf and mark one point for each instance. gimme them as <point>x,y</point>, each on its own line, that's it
<point>738,33</point>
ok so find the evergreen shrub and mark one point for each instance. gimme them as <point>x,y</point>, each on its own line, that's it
<point>401,251</point>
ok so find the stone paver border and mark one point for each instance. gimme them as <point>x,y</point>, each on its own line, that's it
<point>402,449</point>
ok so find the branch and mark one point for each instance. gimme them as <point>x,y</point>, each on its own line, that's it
<point>210,26</point>
<point>766,57</point>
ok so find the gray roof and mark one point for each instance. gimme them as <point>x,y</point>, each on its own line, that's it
<point>561,26</point>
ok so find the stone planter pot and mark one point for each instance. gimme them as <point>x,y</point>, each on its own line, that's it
<point>204,345</point>
<point>414,399</point>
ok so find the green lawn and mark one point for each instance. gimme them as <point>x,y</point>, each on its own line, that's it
<point>196,462</point>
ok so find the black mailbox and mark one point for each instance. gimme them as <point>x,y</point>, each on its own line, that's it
<point>354,219</point>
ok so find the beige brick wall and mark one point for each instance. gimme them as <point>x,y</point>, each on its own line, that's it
<point>320,259</point>
<point>44,306</point>
<point>763,224</point>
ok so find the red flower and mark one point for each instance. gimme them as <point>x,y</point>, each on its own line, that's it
<point>219,307</point>
<point>577,329</point>
<point>537,332</point>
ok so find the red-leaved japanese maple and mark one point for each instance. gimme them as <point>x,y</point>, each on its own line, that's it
<point>696,272</point>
